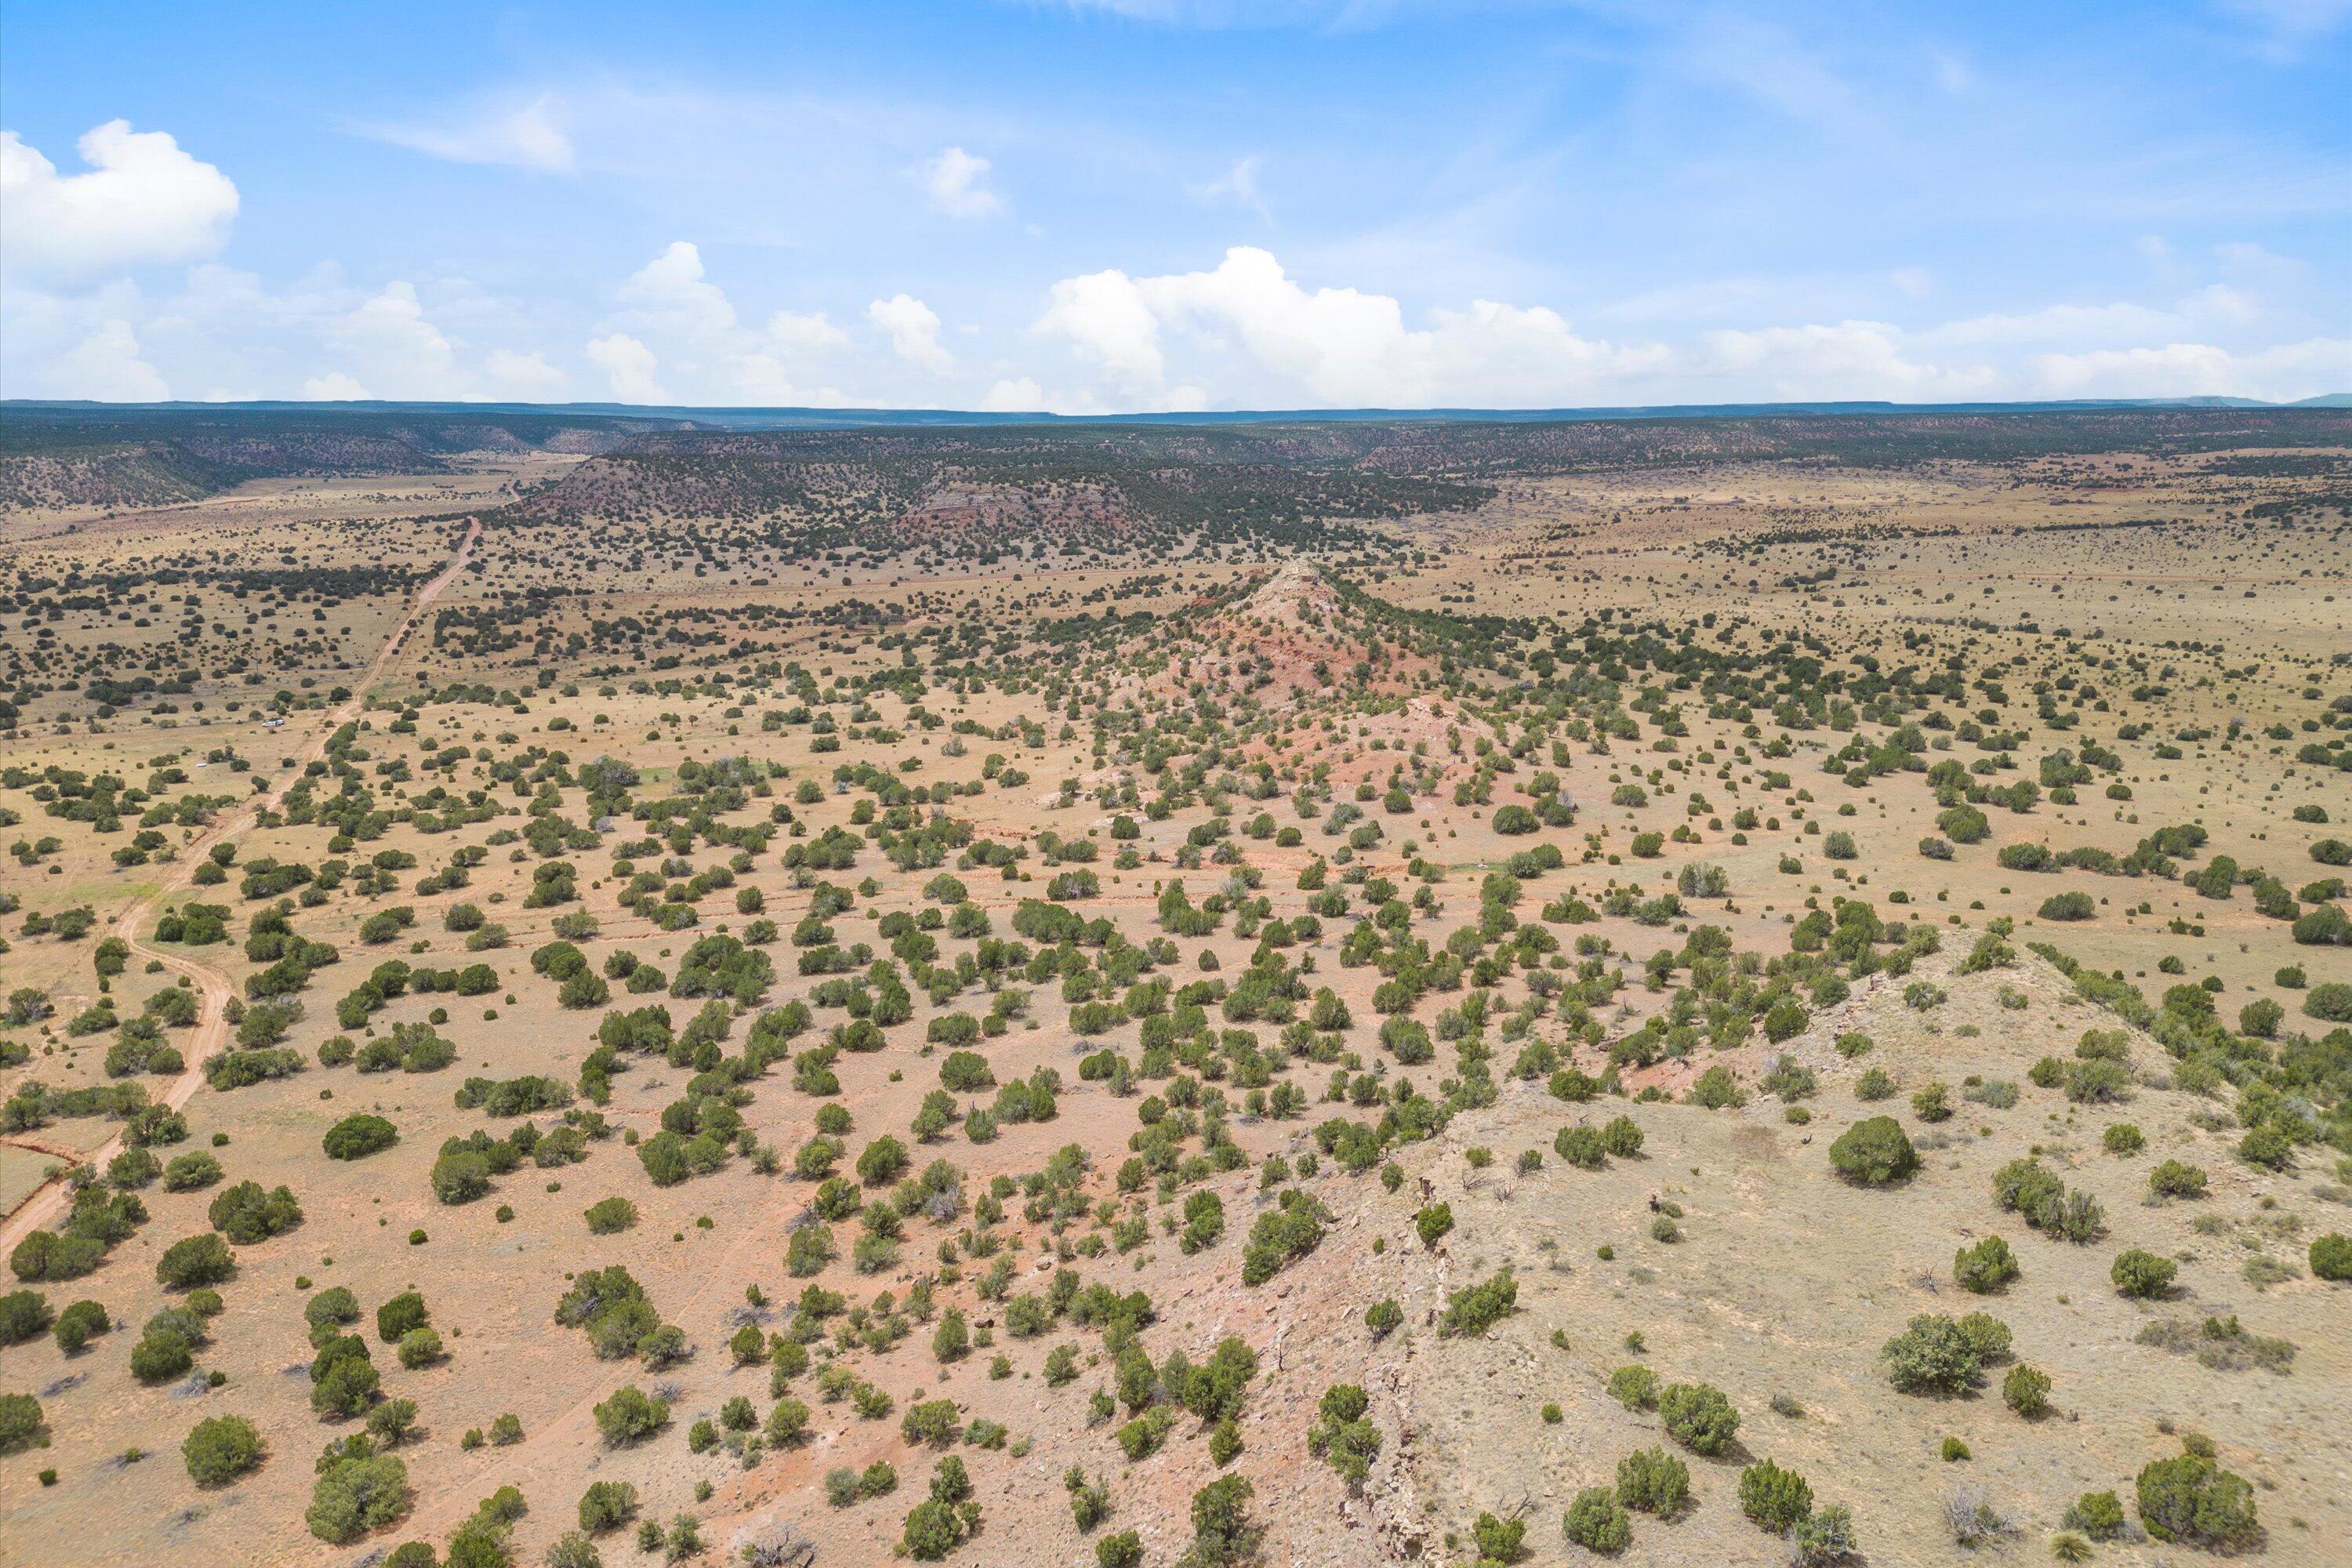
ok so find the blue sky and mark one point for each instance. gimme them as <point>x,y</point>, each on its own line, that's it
<point>1163,204</point>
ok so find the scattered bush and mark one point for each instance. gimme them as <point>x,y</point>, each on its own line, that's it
<point>2026,1390</point>
<point>2193,1500</point>
<point>357,1137</point>
<point>2142,1275</point>
<point>1873,1153</point>
<point>1774,1499</point>
<point>1596,1521</point>
<point>1699,1417</point>
<point>219,1450</point>
<point>1653,1482</point>
<point>1985,1267</point>
<point>1933,1355</point>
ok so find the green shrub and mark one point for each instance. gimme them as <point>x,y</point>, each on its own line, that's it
<point>1822,1538</point>
<point>1341,1437</point>
<point>245,1214</point>
<point>397,1317</point>
<point>78,1324</point>
<point>1774,1499</point>
<point>1933,1355</point>
<point>23,1315</point>
<point>1223,1531</point>
<point>608,1217</point>
<point>1986,1334</point>
<point>219,1450</point>
<point>160,1356</point>
<point>1596,1521</point>
<point>357,1137</point>
<point>1581,1147</point>
<point>201,1260</point>
<point>1634,1387</point>
<point>1699,1417</point>
<point>1653,1482</point>
<point>2099,1515</point>
<point>2026,1390</point>
<point>1500,1540</point>
<point>2193,1500</point>
<point>2331,1257</point>
<point>2142,1275</point>
<point>629,1415</point>
<point>1985,1266</point>
<point>22,1425</point>
<point>354,1497</point>
<point>1477,1309</point>
<point>2268,1146</point>
<point>1873,1153</point>
<point>2330,1003</point>
<point>333,1305</point>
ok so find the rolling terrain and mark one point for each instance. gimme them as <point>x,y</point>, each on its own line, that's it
<point>587,990</point>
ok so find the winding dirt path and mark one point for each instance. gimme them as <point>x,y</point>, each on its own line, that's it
<point>44,1201</point>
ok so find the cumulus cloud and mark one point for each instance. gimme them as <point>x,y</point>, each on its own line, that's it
<point>106,365</point>
<point>1338,346</point>
<point>1019,394</point>
<point>397,348</point>
<point>630,366</point>
<point>1834,362</point>
<point>143,201</point>
<point>334,387</point>
<point>805,334</point>
<point>525,377</point>
<point>914,332</point>
<point>957,183</point>
<point>2281,373</point>
<point>674,314</point>
<point>672,291</point>
<point>531,136</point>
<point>1110,325</point>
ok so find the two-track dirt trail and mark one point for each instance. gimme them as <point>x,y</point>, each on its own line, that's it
<point>214,986</point>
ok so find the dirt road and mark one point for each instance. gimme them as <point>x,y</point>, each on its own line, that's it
<point>46,1200</point>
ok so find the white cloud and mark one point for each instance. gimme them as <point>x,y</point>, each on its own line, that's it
<point>1020,395</point>
<point>397,348</point>
<point>1340,346</point>
<point>1239,185</point>
<point>526,377</point>
<point>334,387</point>
<point>914,330</point>
<point>106,365</point>
<point>673,311</point>
<point>145,201</point>
<point>1839,360</point>
<point>1915,283</point>
<point>810,334</point>
<point>630,366</point>
<point>957,182</point>
<point>1104,319</point>
<point>530,137</point>
<point>2121,322</point>
<point>671,289</point>
<point>2279,373</point>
